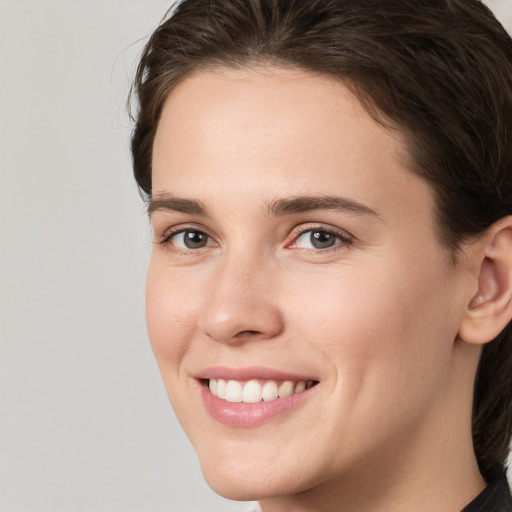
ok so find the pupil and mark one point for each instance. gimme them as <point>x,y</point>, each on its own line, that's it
<point>194,240</point>
<point>321,240</point>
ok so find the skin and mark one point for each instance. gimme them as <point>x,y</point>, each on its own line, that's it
<point>375,318</point>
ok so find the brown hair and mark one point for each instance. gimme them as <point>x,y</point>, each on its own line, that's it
<point>439,71</point>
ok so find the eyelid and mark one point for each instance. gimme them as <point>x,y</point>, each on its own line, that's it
<point>167,235</point>
<point>345,237</point>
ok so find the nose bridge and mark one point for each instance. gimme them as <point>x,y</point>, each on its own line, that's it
<point>241,303</point>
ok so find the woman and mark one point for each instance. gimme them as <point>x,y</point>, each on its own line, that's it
<point>330,289</point>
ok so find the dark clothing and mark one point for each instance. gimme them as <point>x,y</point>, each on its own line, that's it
<point>494,498</point>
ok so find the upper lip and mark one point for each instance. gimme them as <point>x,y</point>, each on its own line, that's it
<point>248,373</point>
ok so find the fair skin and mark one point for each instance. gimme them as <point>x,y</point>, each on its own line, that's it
<point>353,294</point>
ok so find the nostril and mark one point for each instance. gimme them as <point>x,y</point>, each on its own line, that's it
<point>247,333</point>
<point>227,320</point>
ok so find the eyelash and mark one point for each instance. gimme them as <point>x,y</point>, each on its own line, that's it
<point>345,239</point>
<point>167,237</point>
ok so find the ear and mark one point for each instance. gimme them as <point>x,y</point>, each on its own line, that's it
<point>490,308</point>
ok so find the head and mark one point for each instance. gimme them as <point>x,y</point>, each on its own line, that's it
<point>436,78</point>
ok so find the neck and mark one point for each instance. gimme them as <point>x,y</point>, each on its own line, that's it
<point>393,485</point>
<point>429,467</point>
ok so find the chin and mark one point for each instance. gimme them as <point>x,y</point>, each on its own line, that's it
<point>251,479</point>
<point>254,488</point>
<point>239,480</point>
<point>236,489</point>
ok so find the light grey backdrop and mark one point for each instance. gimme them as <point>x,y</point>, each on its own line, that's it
<point>84,420</point>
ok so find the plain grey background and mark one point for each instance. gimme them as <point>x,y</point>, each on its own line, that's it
<point>84,420</point>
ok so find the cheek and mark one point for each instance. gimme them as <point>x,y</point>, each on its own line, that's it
<point>171,310</point>
<point>386,332</point>
<point>170,313</point>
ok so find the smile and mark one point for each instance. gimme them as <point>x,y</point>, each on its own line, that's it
<point>254,391</point>
<point>251,397</point>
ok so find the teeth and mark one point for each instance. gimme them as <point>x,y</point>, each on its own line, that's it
<point>270,391</point>
<point>253,392</point>
<point>233,391</point>
<point>286,389</point>
<point>300,386</point>
<point>221,388</point>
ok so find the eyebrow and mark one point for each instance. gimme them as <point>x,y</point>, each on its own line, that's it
<point>302,204</point>
<point>176,204</point>
<point>277,208</point>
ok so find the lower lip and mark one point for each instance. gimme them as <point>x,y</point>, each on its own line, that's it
<point>241,414</point>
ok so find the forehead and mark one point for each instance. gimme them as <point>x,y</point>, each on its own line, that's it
<point>273,131</point>
<point>263,86</point>
<point>270,101</point>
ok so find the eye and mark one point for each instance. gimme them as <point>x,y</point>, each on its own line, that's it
<point>189,239</point>
<point>318,239</point>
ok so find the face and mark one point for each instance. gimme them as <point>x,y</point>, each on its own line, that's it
<point>295,271</point>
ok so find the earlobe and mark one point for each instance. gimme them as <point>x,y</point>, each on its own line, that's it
<point>490,309</point>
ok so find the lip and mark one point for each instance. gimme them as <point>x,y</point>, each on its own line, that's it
<point>249,373</point>
<point>248,415</point>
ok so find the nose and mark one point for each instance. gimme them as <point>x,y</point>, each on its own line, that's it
<point>241,305</point>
